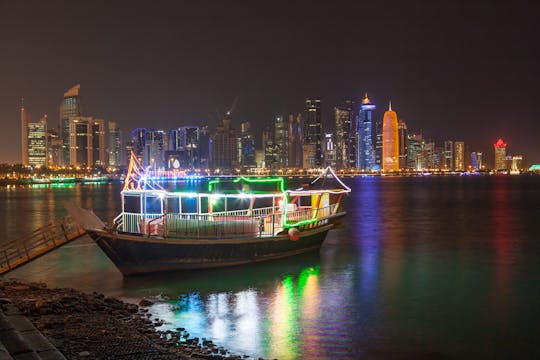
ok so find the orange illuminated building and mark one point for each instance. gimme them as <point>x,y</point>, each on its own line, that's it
<point>390,149</point>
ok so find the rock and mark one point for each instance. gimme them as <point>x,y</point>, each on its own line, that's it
<point>5,301</point>
<point>145,303</point>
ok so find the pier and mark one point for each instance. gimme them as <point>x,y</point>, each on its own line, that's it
<point>22,250</point>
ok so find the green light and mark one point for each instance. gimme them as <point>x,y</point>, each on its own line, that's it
<point>278,180</point>
<point>535,167</point>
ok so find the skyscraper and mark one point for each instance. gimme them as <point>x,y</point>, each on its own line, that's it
<point>390,141</point>
<point>343,118</point>
<point>459,156</point>
<point>281,140</point>
<point>99,147</point>
<point>415,155</point>
<point>448,163</point>
<point>364,158</point>
<point>329,150</point>
<point>224,146</point>
<point>70,107</point>
<point>295,140</point>
<point>500,155</point>
<point>24,136</point>
<point>114,144</point>
<point>313,130</point>
<point>403,136</point>
<point>138,141</point>
<point>154,149</point>
<point>37,142</point>
<point>87,141</point>
<point>247,146</point>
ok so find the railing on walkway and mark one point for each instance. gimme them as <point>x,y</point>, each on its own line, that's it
<point>39,242</point>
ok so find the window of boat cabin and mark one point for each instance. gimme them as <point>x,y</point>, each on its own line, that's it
<point>153,204</point>
<point>132,204</point>
<point>189,205</point>
<point>173,205</point>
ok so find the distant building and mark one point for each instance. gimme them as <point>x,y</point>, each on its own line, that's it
<point>37,142</point>
<point>378,144</point>
<point>295,140</point>
<point>114,144</point>
<point>138,141</point>
<point>448,163</point>
<point>69,108</point>
<point>225,146</point>
<point>390,141</point>
<point>281,140</point>
<point>54,147</point>
<point>403,139</point>
<point>415,155</point>
<point>154,149</point>
<point>476,160</point>
<point>459,156</point>
<point>500,155</point>
<point>24,135</point>
<point>364,147</point>
<point>329,150</point>
<point>343,117</point>
<point>87,141</point>
<point>247,146</point>
<point>313,130</point>
<point>517,163</point>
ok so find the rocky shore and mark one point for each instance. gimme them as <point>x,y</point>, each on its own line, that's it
<point>93,326</point>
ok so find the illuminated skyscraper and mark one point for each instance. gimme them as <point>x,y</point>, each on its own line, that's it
<point>70,107</point>
<point>403,136</point>
<point>343,116</point>
<point>114,144</point>
<point>448,163</point>
<point>500,155</point>
<point>364,148</point>
<point>295,140</point>
<point>476,160</point>
<point>415,155</point>
<point>390,141</point>
<point>329,151</point>
<point>37,142</point>
<point>459,156</point>
<point>87,141</point>
<point>154,149</point>
<point>313,130</point>
<point>247,146</point>
<point>281,139</point>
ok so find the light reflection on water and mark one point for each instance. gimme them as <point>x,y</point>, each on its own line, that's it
<point>422,268</point>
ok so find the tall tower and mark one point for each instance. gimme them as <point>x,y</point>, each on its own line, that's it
<point>459,156</point>
<point>37,142</point>
<point>313,129</point>
<point>70,107</point>
<point>390,141</point>
<point>364,148</point>
<point>114,144</point>
<point>500,155</point>
<point>343,117</point>
<point>24,135</point>
<point>403,141</point>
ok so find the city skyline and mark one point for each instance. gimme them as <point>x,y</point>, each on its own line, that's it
<point>433,77</point>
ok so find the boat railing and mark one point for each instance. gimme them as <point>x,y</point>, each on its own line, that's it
<point>256,222</point>
<point>212,226</point>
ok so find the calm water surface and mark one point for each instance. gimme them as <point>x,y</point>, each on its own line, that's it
<point>430,268</point>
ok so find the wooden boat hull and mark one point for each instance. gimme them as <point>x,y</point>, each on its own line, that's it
<point>138,254</point>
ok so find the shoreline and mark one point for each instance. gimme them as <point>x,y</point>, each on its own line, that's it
<point>94,326</point>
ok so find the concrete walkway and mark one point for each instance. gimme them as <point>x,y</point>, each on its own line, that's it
<point>19,338</point>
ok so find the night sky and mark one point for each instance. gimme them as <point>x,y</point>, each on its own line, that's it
<point>460,70</point>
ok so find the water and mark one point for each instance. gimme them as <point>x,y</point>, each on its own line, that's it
<point>433,268</point>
